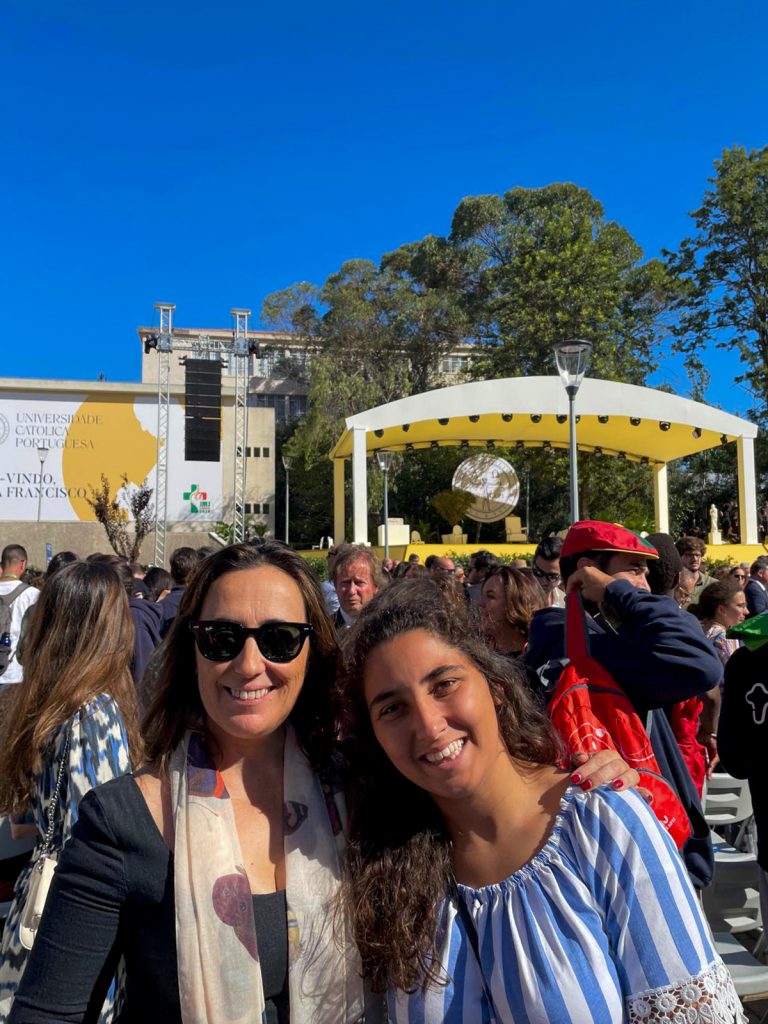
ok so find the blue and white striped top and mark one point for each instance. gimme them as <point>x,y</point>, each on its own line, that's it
<point>601,927</point>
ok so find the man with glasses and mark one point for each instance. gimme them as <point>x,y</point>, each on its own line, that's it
<point>546,569</point>
<point>437,565</point>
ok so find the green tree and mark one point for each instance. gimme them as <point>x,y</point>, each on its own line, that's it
<point>544,265</point>
<point>724,268</point>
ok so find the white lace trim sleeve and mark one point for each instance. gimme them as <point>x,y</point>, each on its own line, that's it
<point>706,998</point>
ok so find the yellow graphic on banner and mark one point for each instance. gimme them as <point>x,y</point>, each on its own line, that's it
<point>105,437</point>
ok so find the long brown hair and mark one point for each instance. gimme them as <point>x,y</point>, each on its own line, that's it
<point>522,596</point>
<point>79,644</point>
<point>399,851</point>
<point>175,703</point>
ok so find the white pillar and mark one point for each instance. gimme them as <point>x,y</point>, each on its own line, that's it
<point>745,450</point>
<point>661,497</point>
<point>338,501</point>
<point>359,487</point>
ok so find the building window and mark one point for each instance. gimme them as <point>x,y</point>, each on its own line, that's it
<point>265,452</point>
<point>265,509</point>
<point>455,364</point>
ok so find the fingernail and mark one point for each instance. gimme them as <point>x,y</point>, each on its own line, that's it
<point>586,786</point>
<point>576,778</point>
<point>618,784</point>
<point>649,798</point>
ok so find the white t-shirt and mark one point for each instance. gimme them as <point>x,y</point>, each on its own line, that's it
<point>14,673</point>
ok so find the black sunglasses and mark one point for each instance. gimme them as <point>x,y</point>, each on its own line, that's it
<point>550,577</point>
<point>278,641</point>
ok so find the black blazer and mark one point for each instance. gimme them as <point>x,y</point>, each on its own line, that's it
<point>757,597</point>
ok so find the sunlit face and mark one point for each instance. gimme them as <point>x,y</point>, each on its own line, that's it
<point>355,587</point>
<point>493,606</point>
<point>433,714</point>
<point>633,568</point>
<point>249,698</point>
<point>740,575</point>
<point>734,612</point>
<point>692,560</point>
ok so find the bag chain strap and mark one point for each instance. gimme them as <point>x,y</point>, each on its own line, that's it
<point>48,840</point>
<point>469,927</point>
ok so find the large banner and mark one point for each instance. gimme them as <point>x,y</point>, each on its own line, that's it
<point>88,435</point>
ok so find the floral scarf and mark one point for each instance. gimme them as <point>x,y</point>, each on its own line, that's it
<point>217,944</point>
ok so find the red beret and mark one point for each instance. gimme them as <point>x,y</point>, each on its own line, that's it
<point>592,535</point>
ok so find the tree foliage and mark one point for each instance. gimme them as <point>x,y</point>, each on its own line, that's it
<point>724,269</point>
<point>517,273</point>
<point>116,518</point>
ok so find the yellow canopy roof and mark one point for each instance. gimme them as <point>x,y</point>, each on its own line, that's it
<point>620,420</point>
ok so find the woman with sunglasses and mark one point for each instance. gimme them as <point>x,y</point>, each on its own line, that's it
<point>740,574</point>
<point>508,599</point>
<point>213,872</point>
<point>482,885</point>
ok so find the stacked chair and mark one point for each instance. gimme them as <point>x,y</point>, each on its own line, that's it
<point>732,902</point>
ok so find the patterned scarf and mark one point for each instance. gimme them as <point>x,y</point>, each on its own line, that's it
<point>217,945</point>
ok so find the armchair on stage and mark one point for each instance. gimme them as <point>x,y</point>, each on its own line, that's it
<point>516,533</point>
<point>399,532</point>
<point>454,537</point>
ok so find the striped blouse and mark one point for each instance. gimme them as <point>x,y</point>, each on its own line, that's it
<point>601,927</point>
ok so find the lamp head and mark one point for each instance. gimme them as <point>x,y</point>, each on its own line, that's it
<point>384,459</point>
<point>572,358</point>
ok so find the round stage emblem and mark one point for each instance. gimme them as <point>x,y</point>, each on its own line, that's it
<point>494,483</point>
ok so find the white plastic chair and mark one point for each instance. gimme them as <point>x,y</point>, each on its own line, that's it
<point>750,977</point>
<point>727,801</point>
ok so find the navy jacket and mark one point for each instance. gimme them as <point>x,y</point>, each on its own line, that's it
<point>757,597</point>
<point>147,618</point>
<point>659,654</point>
<point>169,606</point>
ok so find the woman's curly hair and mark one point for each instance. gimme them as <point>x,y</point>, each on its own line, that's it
<point>399,856</point>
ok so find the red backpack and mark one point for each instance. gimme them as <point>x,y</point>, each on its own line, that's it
<point>591,712</point>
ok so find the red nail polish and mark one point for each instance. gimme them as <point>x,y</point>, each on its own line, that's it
<point>576,778</point>
<point>586,786</point>
<point>618,784</point>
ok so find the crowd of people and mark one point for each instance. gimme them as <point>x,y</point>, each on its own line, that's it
<point>275,798</point>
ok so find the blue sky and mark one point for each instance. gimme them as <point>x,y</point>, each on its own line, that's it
<point>209,154</point>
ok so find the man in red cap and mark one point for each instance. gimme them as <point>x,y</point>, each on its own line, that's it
<point>653,649</point>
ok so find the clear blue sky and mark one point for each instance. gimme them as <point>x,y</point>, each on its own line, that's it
<point>210,153</point>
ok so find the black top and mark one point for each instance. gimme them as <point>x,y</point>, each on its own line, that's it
<point>742,732</point>
<point>112,896</point>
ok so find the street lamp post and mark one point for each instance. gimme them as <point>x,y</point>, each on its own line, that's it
<point>572,358</point>
<point>384,459</point>
<point>287,461</point>
<point>42,454</point>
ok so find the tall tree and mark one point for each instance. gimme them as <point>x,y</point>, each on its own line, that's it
<point>544,265</point>
<point>724,266</point>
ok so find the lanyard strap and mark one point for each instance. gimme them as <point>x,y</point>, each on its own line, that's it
<point>469,928</point>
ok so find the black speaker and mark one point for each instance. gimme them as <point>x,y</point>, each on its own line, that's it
<point>202,400</point>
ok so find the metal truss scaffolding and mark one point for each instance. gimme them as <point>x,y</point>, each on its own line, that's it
<point>240,318</point>
<point>201,346</point>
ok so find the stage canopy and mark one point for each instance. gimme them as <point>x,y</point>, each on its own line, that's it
<point>616,420</point>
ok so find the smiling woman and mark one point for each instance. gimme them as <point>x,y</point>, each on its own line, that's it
<point>482,884</point>
<point>230,841</point>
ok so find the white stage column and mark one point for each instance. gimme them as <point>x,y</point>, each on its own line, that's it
<point>745,449</point>
<point>661,498</point>
<point>359,487</point>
